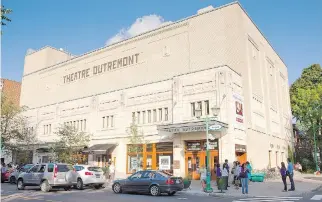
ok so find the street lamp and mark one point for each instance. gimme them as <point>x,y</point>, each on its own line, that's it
<point>215,112</point>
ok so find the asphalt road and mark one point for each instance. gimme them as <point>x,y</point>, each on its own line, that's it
<point>32,194</point>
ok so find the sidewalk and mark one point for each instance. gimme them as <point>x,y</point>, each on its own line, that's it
<point>303,184</point>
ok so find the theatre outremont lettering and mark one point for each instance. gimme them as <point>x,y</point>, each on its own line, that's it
<point>102,68</point>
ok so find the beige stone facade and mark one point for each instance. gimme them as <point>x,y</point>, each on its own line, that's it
<point>215,58</point>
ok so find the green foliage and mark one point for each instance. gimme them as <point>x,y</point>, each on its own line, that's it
<point>15,135</point>
<point>4,18</point>
<point>70,143</point>
<point>306,102</point>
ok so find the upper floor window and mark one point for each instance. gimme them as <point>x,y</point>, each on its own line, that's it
<point>202,106</point>
<point>108,121</point>
<point>47,129</point>
<point>154,115</point>
<point>79,125</point>
<point>138,117</point>
<point>160,114</point>
<point>166,114</point>
<point>149,116</point>
<point>143,117</point>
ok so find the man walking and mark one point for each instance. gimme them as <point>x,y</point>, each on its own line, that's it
<point>290,174</point>
<point>227,167</point>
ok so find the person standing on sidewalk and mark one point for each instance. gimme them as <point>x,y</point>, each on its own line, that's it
<point>218,175</point>
<point>244,178</point>
<point>225,174</point>
<point>249,169</point>
<point>283,174</point>
<point>112,171</point>
<point>290,173</point>
<point>228,168</point>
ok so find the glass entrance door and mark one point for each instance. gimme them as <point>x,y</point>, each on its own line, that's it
<point>193,163</point>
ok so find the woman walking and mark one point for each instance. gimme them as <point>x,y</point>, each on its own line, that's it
<point>244,178</point>
<point>249,168</point>
<point>283,174</point>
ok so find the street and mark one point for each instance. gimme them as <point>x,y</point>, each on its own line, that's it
<point>10,193</point>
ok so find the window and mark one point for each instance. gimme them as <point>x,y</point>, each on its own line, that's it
<point>193,110</point>
<point>154,115</point>
<point>84,125</point>
<point>143,117</point>
<point>138,117</point>
<point>42,169</point>
<point>149,116</point>
<point>199,107</point>
<point>34,169</point>
<point>51,168</point>
<point>137,175</point>
<point>81,124</point>
<point>107,121</point>
<point>77,125</point>
<point>207,107</point>
<point>47,129</point>
<point>160,114</point>
<point>112,121</point>
<point>133,116</point>
<point>62,168</point>
<point>166,118</point>
<point>103,121</point>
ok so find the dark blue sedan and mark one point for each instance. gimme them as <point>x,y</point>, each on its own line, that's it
<point>149,181</point>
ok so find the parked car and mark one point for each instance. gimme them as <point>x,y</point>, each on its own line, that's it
<point>14,175</point>
<point>5,177</point>
<point>153,182</point>
<point>47,176</point>
<point>88,176</point>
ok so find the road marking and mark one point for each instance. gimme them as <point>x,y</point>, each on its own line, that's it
<point>182,198</point>
<point>270,198</point>
<point>317,198</point>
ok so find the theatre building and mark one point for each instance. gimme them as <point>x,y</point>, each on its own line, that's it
<point>215,66</point>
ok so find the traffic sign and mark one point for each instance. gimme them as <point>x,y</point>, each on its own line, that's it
<point>215,127</point>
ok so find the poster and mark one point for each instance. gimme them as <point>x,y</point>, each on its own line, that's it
<point>239,111</point>
<point>164,163</point>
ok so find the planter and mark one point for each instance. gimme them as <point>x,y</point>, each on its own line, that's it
<point>257,177</point>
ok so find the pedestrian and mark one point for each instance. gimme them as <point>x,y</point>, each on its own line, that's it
<point>236,175</point>
<point>225,175</point>
<point>283,174</point>
<point>228,168</point>
<point>3,172</point>
<point>218,176</point>
<point>112,171</point>
<point>233,169</point>
<point>244,178</point>
<point>249,168</point>
<point>290,174</point>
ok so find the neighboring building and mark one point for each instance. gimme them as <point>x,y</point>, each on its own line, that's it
<point>215,59</point>
<point>10,89</point>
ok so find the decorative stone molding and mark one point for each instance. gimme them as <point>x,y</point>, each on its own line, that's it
<point>149,98</point>
<point>271,145</point>
<point>47,115</point>
<point>74,110</point>
<point>199,88</point>
<point>109,104</point>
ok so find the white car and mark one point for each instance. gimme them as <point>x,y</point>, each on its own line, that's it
<point>88,176</point>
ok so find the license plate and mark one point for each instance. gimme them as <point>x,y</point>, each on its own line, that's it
<point>178,181</point>
<point>98,176</point>
<point>61,180</point>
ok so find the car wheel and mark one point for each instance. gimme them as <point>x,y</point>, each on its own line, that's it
<point>98,186</point>
<point>80,184</point>
<point>12,180</point>
<point>20,185</point>
<point>44,186</point>
<point>117,188</point>
<point>154,190</point>
<point>172,193</point>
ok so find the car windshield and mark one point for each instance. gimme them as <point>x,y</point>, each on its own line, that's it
<point>164,174</point>
<point>95,169</point>
<point>63,168</point>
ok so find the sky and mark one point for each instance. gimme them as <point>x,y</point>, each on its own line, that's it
<point>293,27</point>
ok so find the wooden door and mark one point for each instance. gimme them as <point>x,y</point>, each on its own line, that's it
<point>193,163</point>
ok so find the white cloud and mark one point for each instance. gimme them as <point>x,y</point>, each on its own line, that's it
<point>140,25</point>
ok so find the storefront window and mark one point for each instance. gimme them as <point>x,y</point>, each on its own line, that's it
<point>135,163</point>
<point>151,156</point>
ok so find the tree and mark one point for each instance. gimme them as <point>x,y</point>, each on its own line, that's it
<point>4,18</point>
<point>69,145</point>
<point>306,102</point>
<point>16,136</point>
<point>136,139</point>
